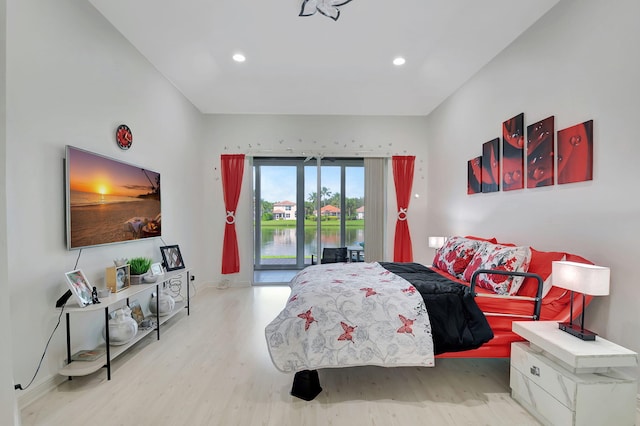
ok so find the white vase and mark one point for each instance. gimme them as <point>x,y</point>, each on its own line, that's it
<point>166,303</point>
<point>122,328</point>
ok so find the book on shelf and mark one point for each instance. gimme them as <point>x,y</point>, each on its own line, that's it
<point>88,354</point>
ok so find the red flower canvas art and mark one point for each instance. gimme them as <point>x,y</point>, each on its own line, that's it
<point>474,176</point>
<point>513,153</point>
<point>491,166</point>
<point>540,153</point>
<point>575,153</point>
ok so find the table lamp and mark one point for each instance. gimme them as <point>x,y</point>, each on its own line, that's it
<point>582,278</point>
<point>437,242</point>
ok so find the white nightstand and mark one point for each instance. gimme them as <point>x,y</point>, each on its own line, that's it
<point>563,380</point>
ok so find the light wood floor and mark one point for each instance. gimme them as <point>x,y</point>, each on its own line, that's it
<point>213,368</point>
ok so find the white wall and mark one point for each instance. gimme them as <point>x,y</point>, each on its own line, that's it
<point>579,62</point>
<point>71,79</point>
<point>273,135</point>
<point>8,404</point>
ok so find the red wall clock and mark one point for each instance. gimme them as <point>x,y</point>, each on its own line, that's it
<point>124,137</point>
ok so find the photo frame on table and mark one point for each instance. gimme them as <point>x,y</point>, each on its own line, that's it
<point>118,278</point>
<point>172,258</point>
<point>156,269</point>
<point>136,311</point>
<point>80,287</point>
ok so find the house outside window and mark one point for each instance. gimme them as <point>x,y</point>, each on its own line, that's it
<point>284,210</point>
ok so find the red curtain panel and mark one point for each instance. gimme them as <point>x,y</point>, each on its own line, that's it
<point>232,171</point>
<point>403,179</point>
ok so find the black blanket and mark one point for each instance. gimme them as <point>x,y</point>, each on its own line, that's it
<point>457,323</point>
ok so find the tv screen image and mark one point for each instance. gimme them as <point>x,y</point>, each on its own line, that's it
<point>109,201</point>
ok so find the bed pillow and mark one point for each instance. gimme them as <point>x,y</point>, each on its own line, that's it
<point>503,258</point>
<point>454,256</point>
<point>541,265</point>
<point>489,240</point>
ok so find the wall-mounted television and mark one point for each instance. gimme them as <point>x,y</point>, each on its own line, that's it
<point>109,201</point>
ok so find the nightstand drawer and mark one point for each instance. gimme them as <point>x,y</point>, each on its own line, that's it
<point>538,402</point>
<point>557,396</point>
<point>545,373</point>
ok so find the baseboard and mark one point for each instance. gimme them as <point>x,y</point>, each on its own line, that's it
<point>32,394</point>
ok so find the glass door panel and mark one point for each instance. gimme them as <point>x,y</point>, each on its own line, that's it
<point>276,220</point>
<point>290,225</point>
<point>354,211</point>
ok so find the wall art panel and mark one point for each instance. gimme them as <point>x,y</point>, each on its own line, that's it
<point>491,166</point>
<point>474,175</point>
<point>575,153</point>
<point>540,153</point>
<point>513,153</point>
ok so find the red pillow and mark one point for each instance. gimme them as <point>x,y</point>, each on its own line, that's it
<point>541,265</point>
<point>489,240</point>
<point>576,258</point>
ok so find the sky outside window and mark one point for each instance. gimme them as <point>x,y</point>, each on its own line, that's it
<point>278,182</point>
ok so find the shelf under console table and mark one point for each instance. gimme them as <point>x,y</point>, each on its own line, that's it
<point>83,368</point>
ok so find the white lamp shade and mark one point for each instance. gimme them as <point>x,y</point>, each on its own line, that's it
<point>437,242</point>
<point>580,277</point>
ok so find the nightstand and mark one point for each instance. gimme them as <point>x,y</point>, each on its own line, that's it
<point>563,380</point>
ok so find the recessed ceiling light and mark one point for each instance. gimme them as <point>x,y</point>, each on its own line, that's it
<point>239,57</point>
<point>399,61</point>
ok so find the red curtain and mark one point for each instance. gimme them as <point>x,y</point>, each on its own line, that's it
<point>403,179</point>
<point>232,171</point>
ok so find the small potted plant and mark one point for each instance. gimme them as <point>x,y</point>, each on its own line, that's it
<point>139,266</point>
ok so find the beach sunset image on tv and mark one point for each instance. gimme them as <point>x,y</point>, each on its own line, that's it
<point>109,201</point>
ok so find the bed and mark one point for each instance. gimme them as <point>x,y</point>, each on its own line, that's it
<point>407,314</point>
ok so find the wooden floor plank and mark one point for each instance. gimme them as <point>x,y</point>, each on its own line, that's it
<point>213,368</point>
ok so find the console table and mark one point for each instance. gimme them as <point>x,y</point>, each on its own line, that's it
<point>563,380</point>
<point>83,368</point>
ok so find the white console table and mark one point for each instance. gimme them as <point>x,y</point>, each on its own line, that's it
<point>563,380</point>
<point>83,368</point>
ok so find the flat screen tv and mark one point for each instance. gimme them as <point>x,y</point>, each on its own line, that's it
<point>108,201</point>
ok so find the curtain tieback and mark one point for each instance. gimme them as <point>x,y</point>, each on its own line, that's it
<point>231,217</point>
<point>402,214</point>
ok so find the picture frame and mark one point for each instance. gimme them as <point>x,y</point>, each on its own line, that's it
<point>156,269</point>
<point>80,287</point>
<point>172,258</point>
<point>136,311</point>
<point>118,278</point>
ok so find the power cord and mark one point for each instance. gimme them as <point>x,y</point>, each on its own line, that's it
<point>77,260</point>
<point>19,386</point>
<point>175,287</point>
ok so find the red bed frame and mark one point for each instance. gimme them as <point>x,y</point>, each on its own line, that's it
<point>555,306</point>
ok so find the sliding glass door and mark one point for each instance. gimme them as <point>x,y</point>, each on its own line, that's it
<point>292,223</point>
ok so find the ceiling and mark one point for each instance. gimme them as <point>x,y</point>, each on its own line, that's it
<point>315,65</point>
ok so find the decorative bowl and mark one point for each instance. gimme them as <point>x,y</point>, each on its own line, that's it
<point>149,278</point>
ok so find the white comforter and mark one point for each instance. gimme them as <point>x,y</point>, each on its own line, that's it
<point>350,314</point>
